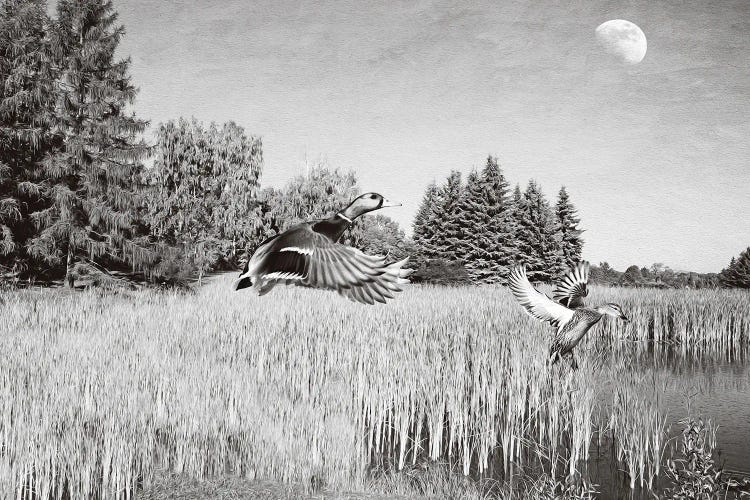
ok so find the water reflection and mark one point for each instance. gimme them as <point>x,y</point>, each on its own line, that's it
<point>676,382</point>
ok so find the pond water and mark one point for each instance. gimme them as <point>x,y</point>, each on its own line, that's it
<point>713,390</point>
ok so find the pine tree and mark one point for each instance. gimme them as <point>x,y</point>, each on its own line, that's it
<point>538,246</point>
<point>92,175</point>
<point>449,219</point>
<point>25,90</point>
<point>569,234</point>
<point>424,227</point>
<point>470,209</point>
<point>737,274</point>
<point>487,219</point>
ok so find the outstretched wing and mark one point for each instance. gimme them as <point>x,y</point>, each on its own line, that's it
<point>571,290</point>
<point>380,288</point>
<point>535,302</point>
<point>309,259</point>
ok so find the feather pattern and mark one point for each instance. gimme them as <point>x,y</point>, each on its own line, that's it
<point>572,288</point>
<point>536,303</point>
<point>302,256</point>
<point>566,312</point>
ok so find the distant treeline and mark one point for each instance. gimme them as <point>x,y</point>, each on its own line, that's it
<point>474,232</point>
<point>736,275</point>
<point>657,275</point>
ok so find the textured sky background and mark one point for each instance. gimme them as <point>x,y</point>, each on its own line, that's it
<point>655,156</point>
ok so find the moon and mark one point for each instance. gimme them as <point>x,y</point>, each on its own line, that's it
<point>622,39</point>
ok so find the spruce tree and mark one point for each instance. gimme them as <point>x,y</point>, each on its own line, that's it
<point>571,243</point>
<point>489,220</point>
<point>424,227</point>
<point>93,173</point>
<point>448,219</point>
<point>25,103</point>
<point>498,220</point>
<point>470,209</point>
<point>737,274</point>
<point>538,245</point>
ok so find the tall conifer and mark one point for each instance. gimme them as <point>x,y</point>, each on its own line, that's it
<point>92,175</point>
<point>25,104</point>
<point>425,225</point>
<point>571,243</point>
<point>448,218</point>
<point>490,241</point>
<point>538,246</point>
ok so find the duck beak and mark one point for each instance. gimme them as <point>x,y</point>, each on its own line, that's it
<point>624,318</point>
<point>389,203</point>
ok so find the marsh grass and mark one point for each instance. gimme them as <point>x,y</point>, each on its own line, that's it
<point>99,391</point>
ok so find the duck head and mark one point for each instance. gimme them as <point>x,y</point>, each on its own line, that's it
<point>614,310</point>
<point>367,203</point>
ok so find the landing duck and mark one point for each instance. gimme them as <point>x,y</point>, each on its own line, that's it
<point>566,312</point>
<point>309,255</point>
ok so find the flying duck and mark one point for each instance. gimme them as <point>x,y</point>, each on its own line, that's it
<point>566,312</point>
<point>309,255</point>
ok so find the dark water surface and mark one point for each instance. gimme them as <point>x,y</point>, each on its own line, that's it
<point>716,391</point>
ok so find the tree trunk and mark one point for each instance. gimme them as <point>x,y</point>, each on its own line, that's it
<point>69,279</point>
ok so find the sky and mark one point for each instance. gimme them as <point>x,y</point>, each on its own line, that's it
<point>655,155</point>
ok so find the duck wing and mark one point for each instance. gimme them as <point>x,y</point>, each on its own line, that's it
<point>573,287</point>
<point>377,290</point>
<point>306,258</point>
<point>536,303</point>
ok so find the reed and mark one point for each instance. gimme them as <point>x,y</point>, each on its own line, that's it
<point>100,392</point>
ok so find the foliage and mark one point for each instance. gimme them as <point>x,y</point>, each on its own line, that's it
<point>657,276</point>
<point>632,275</point>
<point>695,475</point>
<point>91,176</point>
<point>449,219</point>
<point>488,226</point>
<point>537,239</point>
<point>316,195</point>
<point>440,271</point>
<point>482,227</point>
<point>379,235</point>
<point>571,243</point>
<point>320,194</point>
<point>25,104</point>
<point>425,225</point>
<point>737,274</point>
<point>202,196</point>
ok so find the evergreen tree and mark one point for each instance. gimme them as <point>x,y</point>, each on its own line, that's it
<point>25,103</point>
<point>737,274</point>
<point>92,175</point>
<point>538,245</point>
<point>448,219</point>
<point>469,210</point>
<point>571,243</point>
<point>425,226</point>
<point>489,220</point>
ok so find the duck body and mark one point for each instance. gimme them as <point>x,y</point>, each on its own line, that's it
<point>567,312</point>
<point>573,331</point>
<point>309,255</point>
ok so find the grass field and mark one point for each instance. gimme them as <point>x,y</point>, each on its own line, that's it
<point>100,393</point>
